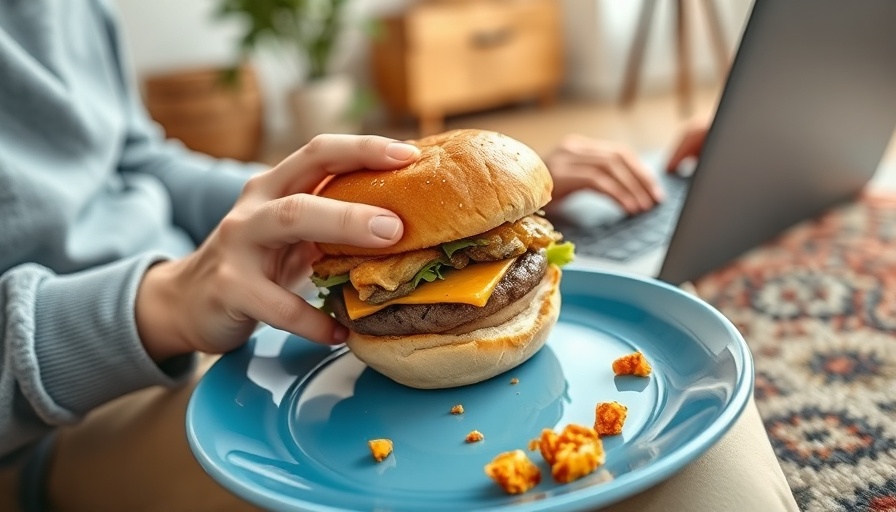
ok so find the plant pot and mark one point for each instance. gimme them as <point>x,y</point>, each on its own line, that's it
<point>208,113</point>
<point>324,106</point>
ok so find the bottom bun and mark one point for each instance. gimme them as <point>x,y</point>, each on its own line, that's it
<point>430,361</point>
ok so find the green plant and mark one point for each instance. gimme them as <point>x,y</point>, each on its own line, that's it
<point>309,29</point>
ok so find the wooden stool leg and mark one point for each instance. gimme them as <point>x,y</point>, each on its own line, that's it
<point>547,98</point>
<point>431,123</point>
<point>394,118</point>
<point>685,83</point>
<point>636,54</point>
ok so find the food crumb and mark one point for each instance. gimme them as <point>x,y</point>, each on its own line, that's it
<point>474,437</point>
<point>632,364</point>
<point>457,409</point>
<point>575,452</point>
<point>514,381</point>
<point>609,418</point>
<point>514,472</point>
<point>380,448</point>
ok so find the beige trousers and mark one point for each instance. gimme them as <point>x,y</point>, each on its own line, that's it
<point>132,455</point>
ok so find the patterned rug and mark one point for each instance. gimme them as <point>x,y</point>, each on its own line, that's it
<point>818,308</point>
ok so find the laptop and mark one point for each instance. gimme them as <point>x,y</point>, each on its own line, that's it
<point>803,121</point>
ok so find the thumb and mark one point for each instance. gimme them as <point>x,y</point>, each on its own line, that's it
<point>687,148</point>
<point>690,146</point>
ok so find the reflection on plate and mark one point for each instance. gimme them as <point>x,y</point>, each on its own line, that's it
<point>284,423</point>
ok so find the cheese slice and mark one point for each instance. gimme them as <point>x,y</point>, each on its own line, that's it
<point>471,285</point>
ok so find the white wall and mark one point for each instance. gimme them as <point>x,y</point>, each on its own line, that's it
<point>165,35</point>
<point>170,34</point>
<point>599,34</point>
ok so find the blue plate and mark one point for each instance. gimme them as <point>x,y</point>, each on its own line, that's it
<point>284,423</point>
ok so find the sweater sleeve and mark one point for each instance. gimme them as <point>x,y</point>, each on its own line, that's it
<point>202,188</point>
<point>69,344</point>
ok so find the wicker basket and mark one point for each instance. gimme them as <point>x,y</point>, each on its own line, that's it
<point>208,113</point>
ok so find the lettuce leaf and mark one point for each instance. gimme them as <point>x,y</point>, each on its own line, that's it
<point>429,273</point>
<point>330,281</point>
<point>561,254</point>
<point>452,247</point>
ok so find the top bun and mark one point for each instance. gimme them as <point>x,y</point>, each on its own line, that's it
<point>465,182</point>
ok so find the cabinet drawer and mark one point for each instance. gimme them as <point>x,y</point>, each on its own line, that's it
<point>482,53</point>
<point>467,25</point>
<point>443,57</point>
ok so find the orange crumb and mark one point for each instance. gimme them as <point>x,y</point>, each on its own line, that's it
<point>514,381</point>
<point>457,409</point>
<point>632,364</point>
<point>609,418</point>
<point>380,448</point>
<point>514,472</point>
<point>572,454</point>
<point>533,445</point>
<point>474,436</point>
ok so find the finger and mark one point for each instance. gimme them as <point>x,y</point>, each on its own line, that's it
<point>626,170</point>
<point>684,150</point>
<point>615,191</point>
<point>644,176</point>
<point>335,154</point>
<point>295,265</point>
<point>585,178</point>
<point>613,165</point>
<point>690,146</point>
<point>282,309</point>
<point>298,217</point>
<point>633,187</point>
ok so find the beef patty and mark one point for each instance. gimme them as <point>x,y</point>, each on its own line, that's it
<point>405,319</point>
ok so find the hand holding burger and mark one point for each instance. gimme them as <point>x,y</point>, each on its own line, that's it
<point>472,288</point>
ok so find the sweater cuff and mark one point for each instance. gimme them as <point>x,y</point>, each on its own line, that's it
<point>86,342</point>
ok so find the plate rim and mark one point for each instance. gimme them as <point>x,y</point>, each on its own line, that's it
<point>636,481</point>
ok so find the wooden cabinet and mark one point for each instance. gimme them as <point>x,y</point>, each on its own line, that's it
<point>454,56</point>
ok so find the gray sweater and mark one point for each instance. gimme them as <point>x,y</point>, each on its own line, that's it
<point>90,194</point>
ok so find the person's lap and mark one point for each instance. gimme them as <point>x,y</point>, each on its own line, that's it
<point>132,454</point>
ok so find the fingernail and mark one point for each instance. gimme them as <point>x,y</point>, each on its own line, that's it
<point>384,226</point>
<point>340,334</point>
<point>401,151</point>
<point>658,194</point>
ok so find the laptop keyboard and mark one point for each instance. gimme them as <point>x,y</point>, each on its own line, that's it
<point>635,235</point>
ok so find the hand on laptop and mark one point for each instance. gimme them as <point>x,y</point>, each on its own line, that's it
<point>579,162</point>
<point>690,145</point>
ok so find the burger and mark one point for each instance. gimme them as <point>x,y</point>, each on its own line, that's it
<point>472,288</point>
